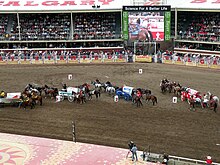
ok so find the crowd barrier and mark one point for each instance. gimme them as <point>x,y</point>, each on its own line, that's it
<point>62,59</point>
<point>143,58</point>
<point>191,61</point>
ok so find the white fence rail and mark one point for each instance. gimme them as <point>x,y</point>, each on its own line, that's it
<point>188,160</point>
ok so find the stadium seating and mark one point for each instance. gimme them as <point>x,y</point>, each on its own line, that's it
<point>45,26</point>
<point>3,26</point>
<point>194,26</point>
<point>58,26</point>
<point>198,26</point>
<point>95,26</point>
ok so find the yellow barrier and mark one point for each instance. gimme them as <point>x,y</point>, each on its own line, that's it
<point>202,65</point>
<point>142,58</point>
<point>168,62</point>
<point>190,64</point>
<point>179,63</point>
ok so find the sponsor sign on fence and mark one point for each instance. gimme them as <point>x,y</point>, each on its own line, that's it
<point>142,58</point>
<point>192,61</point>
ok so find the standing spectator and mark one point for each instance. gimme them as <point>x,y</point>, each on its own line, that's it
<point>130,146</point>
<point>209,160</point>
<point>134,153</point>
<point>165,159</point>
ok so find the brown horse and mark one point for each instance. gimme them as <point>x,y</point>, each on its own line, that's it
<point>50,91</point>
<point>37,98</point>
<point>152,98</point>
<point>80,98</point>
<point>137,100</point>
<point>143,35</point>
<point>213,105</point>
<point>163,87</point>
<point>26,101</point>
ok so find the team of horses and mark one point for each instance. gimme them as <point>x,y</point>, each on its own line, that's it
<point>208,100</point>
<point>144,94</point>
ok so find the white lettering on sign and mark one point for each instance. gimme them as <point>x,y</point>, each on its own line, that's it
<point>203,4</point>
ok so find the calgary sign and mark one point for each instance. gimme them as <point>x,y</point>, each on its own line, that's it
<point>196,4</point>
<point>28,5</point>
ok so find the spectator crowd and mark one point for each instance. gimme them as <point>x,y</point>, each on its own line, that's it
<point>47,26</point>
<point>197,26</point>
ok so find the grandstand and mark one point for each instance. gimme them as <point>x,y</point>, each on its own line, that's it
<point>87,27</point>
<point>101,27</point>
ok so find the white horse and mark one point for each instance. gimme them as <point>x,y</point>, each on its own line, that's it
<point>215,98</point>
<point>207,97</point>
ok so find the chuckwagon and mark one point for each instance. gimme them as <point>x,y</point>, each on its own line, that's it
<point>12,99</point>
<point>68,93</point>
<point>188,93</point>
<point>125,92</point>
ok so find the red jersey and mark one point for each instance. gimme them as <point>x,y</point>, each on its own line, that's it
<point>209,161</point>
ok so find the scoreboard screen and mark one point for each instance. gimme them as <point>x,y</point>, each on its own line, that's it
<point>146,23</point>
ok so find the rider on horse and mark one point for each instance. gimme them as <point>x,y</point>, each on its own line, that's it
<point>97,81</point>
<point>139,94</point>
<point>2,94</point>
<point>65,87</point>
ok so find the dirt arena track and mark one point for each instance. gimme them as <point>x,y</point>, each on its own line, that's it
<point>166,127</point>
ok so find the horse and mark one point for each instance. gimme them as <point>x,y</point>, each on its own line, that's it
<point>50,91</point>
<point>110,90</point>
<point>211,101</point>
<point>191,102</point>
<point>37,98</point>
<point>152,98</point>
<point>194,101</point>
<point>80,98</point>
<point>26,101</point>
<point>163,87</point>
<point>97,84</point>
<point>137,100</point>
<point>35,87</point>
<point>177,89</point>
<point>142,35</point>
<point>94,92</point>
<point>144,91</point>
<point>213,105</point>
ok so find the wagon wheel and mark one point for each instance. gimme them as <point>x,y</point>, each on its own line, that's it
<point>61,97</point>
<point>70,98</point>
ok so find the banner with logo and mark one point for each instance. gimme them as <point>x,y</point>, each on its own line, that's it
<point>141,58</point>
<point>125,25</point>
<point>167,22</point>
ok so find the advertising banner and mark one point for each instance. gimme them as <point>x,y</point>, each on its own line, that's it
<point>167,20</point>
<point>141,58</point>
<point>125,25</point>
